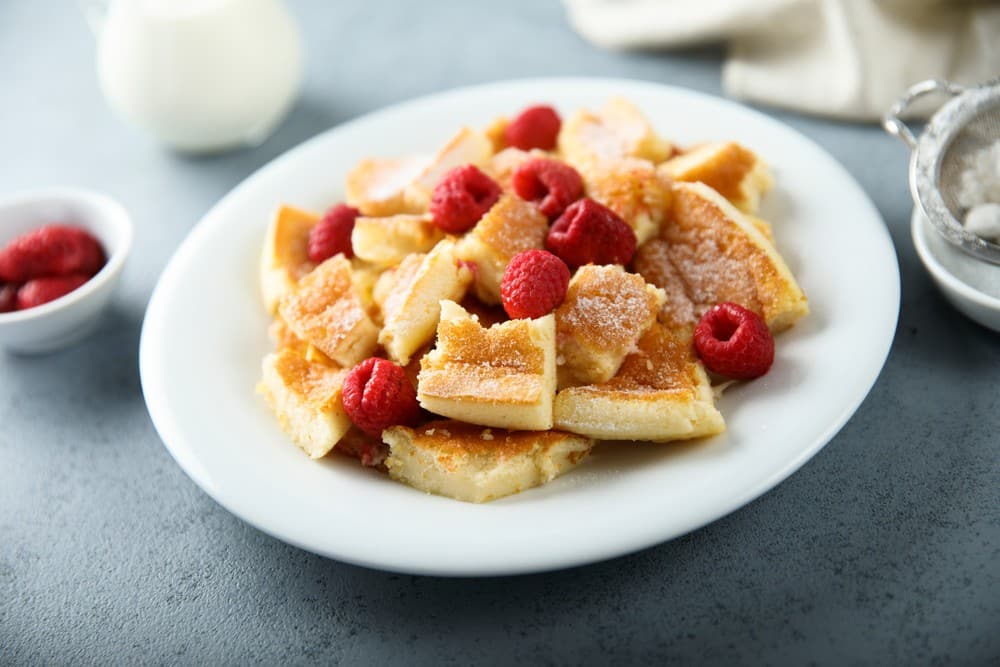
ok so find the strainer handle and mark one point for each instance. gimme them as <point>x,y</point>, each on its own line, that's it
<point>896,127</point>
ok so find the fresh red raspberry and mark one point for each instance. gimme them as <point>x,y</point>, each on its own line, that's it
<point>533,284</point>
<point>734,342</point>
<point>52,250</point>
<point>462,197</point>
<point>535,127</point>
<point>591,233</point>
<point>8,297</point>
<point>377,395</point>
<point>42,290</point>
<point>553,184</point>
<point>332,234</point>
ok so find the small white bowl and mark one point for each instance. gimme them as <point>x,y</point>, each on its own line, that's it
<point>69,318</point>
<point>972,285</point>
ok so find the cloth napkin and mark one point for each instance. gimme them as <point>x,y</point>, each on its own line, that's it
<point>844,58</point>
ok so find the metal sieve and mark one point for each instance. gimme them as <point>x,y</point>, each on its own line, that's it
<point>968,122</point>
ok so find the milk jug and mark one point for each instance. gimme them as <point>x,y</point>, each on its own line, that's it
<point>199,75</point>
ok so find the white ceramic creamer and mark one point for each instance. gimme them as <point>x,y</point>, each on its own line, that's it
<point>200,75</point>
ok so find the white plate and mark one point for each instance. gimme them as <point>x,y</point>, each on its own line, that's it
<point>205,333</point>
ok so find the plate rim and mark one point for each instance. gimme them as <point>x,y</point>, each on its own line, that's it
<point>168,432</point>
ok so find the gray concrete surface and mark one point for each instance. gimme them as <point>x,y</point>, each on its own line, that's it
<point>882,550</point>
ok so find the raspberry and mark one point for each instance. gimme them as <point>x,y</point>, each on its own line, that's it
<point>533,284</point>
<point>734,342</point>
<point>535,127</point>
<point>8,297</point>
<point>553,184</point>
<point>42,290</point>
<point>332,234</point>
<point>52,250</point>
<point>589,232</point>
<point>377,395</point>
<point>462,197</point>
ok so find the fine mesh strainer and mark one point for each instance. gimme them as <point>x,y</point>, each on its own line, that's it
<point>965,124</point>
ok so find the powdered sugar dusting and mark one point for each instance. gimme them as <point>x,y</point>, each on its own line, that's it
<point>652,262</point>
<point>980,181</point>
<point>606,308</point>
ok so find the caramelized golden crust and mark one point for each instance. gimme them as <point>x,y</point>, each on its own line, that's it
<point>318,384</point>
<point>306,398</point>
<point>605,312</point>
<point>652,262</point>
<point>503,376</point>
<point>377,186</point>
<point>664,361</point>
<point>661,393</point>
<point>509,227</point>
<point>325,310</point>
<point>478,464</point>
<point>634,190</point>
<point>721,256</point>
<point>508,348</point>
<point>730,169</point>
<point>285,256</point>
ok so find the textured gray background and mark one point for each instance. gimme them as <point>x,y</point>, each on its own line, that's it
<point>883,549</point>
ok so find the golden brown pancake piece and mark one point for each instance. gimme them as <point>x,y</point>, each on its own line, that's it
<point>478,464</point>
<point>512,225</point>
<point>285,256</point>
<point>730,169</point>
<point>388,241</point>
<point>652,262</point>
<point>619,130</point>
<point>410,298</point>
<point>660,393</point>
<point>325,310</point>
<point>503,376</point>
<point>634,190</point>
<point>306,398</point>
<point>377,186</point>
<point>721,256</point>
<point>605,312</point>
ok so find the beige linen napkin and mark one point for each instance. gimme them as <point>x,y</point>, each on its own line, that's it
<point>843,58</point>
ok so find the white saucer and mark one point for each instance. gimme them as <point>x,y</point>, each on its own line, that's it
<point>970,284</point>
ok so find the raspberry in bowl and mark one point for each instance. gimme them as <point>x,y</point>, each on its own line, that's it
<point>61,255</point>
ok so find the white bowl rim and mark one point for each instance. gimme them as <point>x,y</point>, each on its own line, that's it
<point>919,227</point>
<point>113,210</point>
